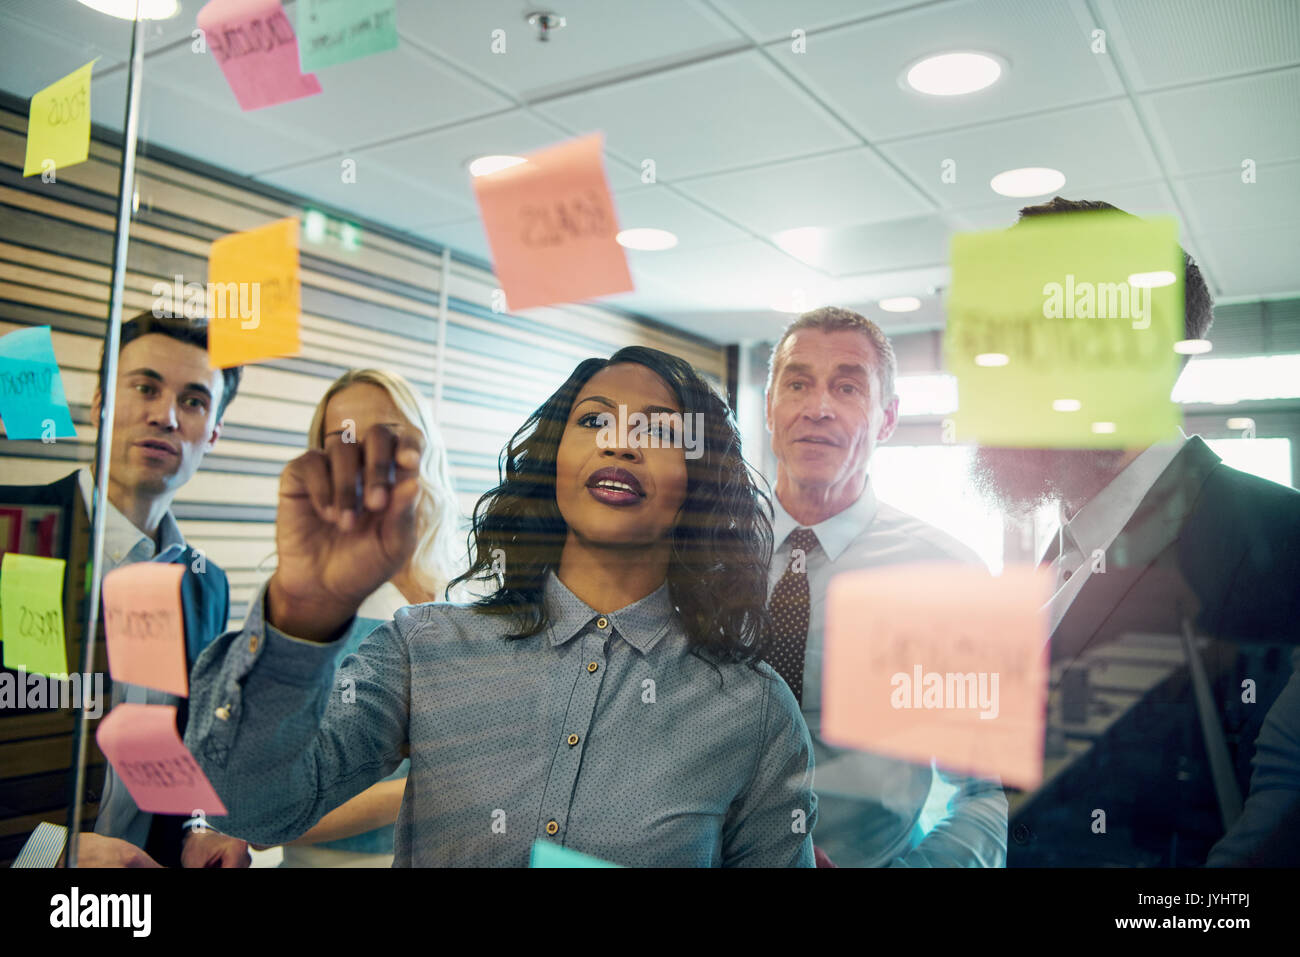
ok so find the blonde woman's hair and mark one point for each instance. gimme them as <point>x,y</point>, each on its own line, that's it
<point>436,560</point>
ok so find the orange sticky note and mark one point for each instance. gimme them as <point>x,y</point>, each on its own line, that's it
<point>254,44</point>
<point>551,224</point>
<point>254,295</point>
<point>143,627</point>
<point>939,661</point>
<point>141,743</point>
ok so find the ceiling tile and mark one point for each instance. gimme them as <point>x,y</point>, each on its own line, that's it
<point>466,236</point>
<point>362,101</point>
<point>33,59</point>
<point>766,20</point>
<point>749,274</point>
<point>1092,145</point>
<point>93,33</point>
<point>600,39</point>
<point>839,189</point>
<point>725,113</point>
<point>1163,42</point>
<point>439,160</point>
<point>1215,127</point>
<point>657,206</point>
<point>1254,262</point>
<point>858,69</point>
<point>1222,201</point>
<point>194,125</point>
<point>379,193</point>
<point>901,244</point>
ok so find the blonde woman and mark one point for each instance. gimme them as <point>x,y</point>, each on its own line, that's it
<point>359,833</point>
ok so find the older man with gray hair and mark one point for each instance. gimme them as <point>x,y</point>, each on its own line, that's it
<point>830,400</point>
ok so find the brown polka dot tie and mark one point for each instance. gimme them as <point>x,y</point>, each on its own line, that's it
<point>789,608</point>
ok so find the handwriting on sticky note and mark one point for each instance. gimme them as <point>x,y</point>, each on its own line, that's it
<point>255,46</point>
<point>546,854</point>
<point>143,626</point>
<point>141,742</point>
<point>335,31</point>
<point>551,224</point>
<point>32,401</point>
<point>939,661</point>
<point>255,309</point>
<point>58,125</point>
<point>31,614</point>
<point>1057,336</point>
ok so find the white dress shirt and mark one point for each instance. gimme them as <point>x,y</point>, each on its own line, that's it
<point>870,806</point>
<point>1094,528</point>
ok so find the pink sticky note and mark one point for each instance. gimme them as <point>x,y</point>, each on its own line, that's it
<point>939,661</point>
<point>255,46</point>
<point>551,224</point>
<point>143,627</point>
<point>141,743</point>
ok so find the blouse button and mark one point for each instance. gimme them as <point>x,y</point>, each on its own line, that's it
<point>551,827</point>
<point>572,739</point>
<point>602,622</point>
<point>223,713</point>
<point>592,666</point>
<point>252,644</point>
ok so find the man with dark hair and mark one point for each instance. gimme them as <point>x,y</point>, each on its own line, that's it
<point>1155,541</point>
<point>830,401</point>
<point>168,409</point>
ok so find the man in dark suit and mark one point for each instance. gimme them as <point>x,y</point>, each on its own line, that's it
<point>1175,606</point>
<point>168,411</point>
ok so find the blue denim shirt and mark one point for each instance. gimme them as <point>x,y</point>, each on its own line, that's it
<point>601,733</point>
<point>380,840</point>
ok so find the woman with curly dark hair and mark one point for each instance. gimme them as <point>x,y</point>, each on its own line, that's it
<point>606,695</point>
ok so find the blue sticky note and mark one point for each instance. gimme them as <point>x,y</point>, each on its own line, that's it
<point>32,402</point>
<point>546,854</point>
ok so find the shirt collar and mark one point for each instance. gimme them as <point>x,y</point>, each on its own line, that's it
<point>640,624</point>
<point>123,542</point>
<point>1098,523</point>
<point>835,533</point>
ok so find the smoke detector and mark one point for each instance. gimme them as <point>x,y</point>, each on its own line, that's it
<point>545,21</point>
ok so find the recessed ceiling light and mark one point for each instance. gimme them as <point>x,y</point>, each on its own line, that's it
<point>125,9</point>
<point>493,164</point>
<point>1030,181</point>
<point>1152,280</point>
<point>1067,405</point>
<point>991,359</point>
<point>952,74</point>
<point>646,239</point>
<point>1241,423</point>
<point>1103,428</point>
<point>1193,347</point>
<point>900,304</point>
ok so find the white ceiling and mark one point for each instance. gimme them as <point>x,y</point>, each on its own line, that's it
<point>750,138</point>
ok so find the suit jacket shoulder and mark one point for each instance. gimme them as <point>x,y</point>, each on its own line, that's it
<point>1239,550</point>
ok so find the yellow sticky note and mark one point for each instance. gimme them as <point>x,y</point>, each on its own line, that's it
<point>31,614</point>
<point>254,296</point>
<point>1061,331</point>
<point>58,126</point>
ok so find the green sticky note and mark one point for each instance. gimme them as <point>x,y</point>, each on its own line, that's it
<point>31,614</point>
<point>546,854</point>
<point>58,126</point>
<point>331,32</point>
<point>1061,332</point>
